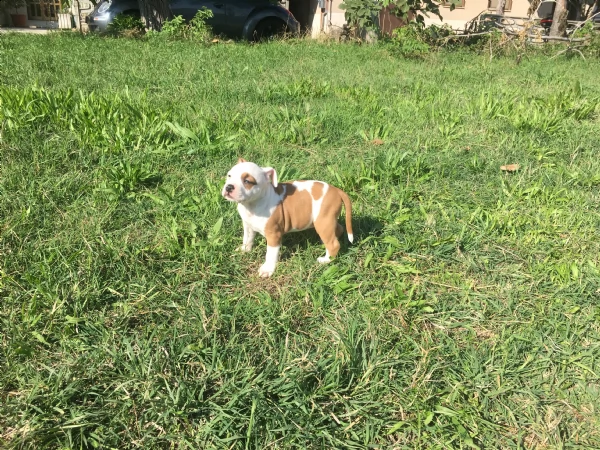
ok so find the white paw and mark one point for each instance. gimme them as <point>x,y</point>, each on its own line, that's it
<point>323,259</point>
<point>266,270</point>
<point>244,248</point>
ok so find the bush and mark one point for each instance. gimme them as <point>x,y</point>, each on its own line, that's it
<point>125,24</point>
<point>197,29</point>
<point>361,13</point>
<point>592,47</point>
<point>433,33</point>
<point>409,41</point>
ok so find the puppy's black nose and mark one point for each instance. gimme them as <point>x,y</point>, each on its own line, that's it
<point>229,188</point>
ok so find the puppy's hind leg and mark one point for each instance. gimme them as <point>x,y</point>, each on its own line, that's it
<point>328,231</point>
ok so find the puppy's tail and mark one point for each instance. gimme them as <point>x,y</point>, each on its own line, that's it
<point>348,206</point>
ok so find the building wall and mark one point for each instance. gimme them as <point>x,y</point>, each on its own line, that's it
<point>79,10</point>
<point>334,17</point>
<point>471,9</point>
<point>331,17</point>
<point>31,23</point>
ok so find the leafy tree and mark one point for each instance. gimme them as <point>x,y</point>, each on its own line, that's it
<point>364,13</point>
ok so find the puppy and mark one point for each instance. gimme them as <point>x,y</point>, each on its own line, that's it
<point>273,209</point>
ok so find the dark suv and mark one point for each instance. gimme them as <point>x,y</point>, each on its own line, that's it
<point>248,19</point>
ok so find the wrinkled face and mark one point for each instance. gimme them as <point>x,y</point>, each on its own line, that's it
<point>247,182</point>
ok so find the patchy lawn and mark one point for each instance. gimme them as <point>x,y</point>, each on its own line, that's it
<point>465,314</point>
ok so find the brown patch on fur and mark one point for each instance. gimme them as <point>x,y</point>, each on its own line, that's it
<point>326,224</point>
<point>295,213</point>
<point>280,187</point>
<point>317,190</point>
<point>247,178</point>
<point>348,207</point>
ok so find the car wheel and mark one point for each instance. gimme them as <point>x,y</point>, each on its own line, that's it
<point>268,29</point>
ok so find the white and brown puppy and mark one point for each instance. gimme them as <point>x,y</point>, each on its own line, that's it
<point>273,209</point>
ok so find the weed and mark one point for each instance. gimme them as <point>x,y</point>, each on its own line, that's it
<point>409,43</point>
<point>298,90</point>
<point>295,127</point>
<point>124,178</point>
<point>177,29</point>
<point>125,25</point>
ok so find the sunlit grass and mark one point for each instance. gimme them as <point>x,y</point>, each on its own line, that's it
<point>465,315</point>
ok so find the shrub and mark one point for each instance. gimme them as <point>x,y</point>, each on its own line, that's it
<point>361,13</point>
<point>125,24</point>
<point>409,41</point>
<point>588,32</point>
<point>197,29</point>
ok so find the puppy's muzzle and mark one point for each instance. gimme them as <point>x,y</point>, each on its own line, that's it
<point>229,188</point>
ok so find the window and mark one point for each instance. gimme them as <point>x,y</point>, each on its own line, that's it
<point>493,4</point>
<point>457,3</point>
<point>42,9</point>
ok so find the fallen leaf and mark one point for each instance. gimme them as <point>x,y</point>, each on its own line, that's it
<point>377,142</point>
<point>214,41</point>
<point>510,167</point>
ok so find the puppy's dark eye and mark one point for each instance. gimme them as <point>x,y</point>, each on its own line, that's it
<point>249,183</point>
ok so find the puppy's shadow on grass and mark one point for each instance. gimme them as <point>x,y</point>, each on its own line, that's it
<point>362,227</point>
<point>152,182</point>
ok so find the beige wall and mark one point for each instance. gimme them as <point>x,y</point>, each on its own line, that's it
<point>86,7</point>
<point>472,8</point>
<point>31,23</point>
<point>334,16</point>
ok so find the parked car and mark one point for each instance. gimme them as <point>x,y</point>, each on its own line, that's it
<point>546,12</point>
<point>483,22</point>
<point>247,19</point>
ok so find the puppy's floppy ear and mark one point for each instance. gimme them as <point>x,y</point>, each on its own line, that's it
<point>271,175</point>
<point>241,160</point>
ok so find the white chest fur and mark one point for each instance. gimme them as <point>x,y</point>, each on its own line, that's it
<point>256,215</point>
<point>256,222</point>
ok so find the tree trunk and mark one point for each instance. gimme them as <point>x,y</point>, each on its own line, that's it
<point>500,7</point>
<point>559,19</point>
<point>591,9</point>
<point>154,13</point>
<point>533,6</point>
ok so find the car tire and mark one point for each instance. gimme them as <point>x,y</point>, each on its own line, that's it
<point>269,28</point>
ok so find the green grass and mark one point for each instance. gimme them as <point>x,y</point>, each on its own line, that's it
<point>465,315</point>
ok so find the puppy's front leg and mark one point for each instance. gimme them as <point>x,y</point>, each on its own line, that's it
<point>248,240</point>
<point>273,246</point>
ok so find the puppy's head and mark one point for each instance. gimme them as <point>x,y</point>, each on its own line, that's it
<point>247,182</point>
